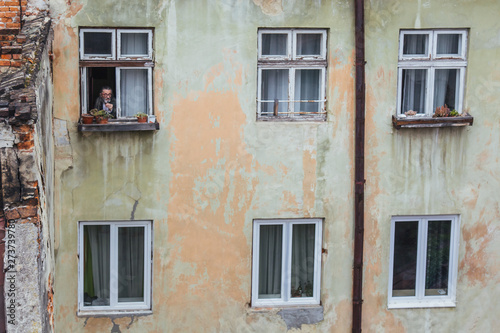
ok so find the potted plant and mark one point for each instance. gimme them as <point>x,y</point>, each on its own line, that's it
<point>141,117</point>
<point>102,117</point>
<point>87,118</point>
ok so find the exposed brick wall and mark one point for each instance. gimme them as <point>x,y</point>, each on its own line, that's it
<point>11,40</point>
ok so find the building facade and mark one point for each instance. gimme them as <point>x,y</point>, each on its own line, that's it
<point>233,208</point>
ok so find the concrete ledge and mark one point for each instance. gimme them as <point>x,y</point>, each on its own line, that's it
<point>296,317</point>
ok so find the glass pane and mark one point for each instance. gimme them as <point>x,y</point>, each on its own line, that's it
<point>446,88</point>
<point>134,91</point>
<point>274,44</point>
<point>309,44</point>
<point>307,89</point>
<point>302,274</point>
<point>134,44</point>
<point>414,86</point>
<point>96,265</point>
<point>274,90</point>
<point>270,261</point>
<point>416,44</point>
<point>131,264</point>
<point>405,258</point>
<point>449,44</point>
<point>97,43</point>
<point>438,258</point>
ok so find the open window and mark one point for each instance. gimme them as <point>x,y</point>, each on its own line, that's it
<point>121,59</point>
<point>114,266</point>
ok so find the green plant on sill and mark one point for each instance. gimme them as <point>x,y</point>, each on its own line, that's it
<point>140,115</point>
<point>101,113</point>
<point>444,111</point>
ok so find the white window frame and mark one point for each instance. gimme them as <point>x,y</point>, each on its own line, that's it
<point>149,56</point>
<point>116,60</point>
<point>118,90</point>
<point>114,306</point>
<point>286,299</point>
<point>432,62</point>
<point>292,62</point>
<point>420,300</point>
<point>84,56</point>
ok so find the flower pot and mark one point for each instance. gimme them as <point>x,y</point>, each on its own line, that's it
<point>142,119</point>
<point>87,119</point>
<point>101,120</point>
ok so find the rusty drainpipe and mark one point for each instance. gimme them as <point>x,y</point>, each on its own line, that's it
<point>359,167</point>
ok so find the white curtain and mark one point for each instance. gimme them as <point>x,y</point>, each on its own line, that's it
<point>99,242</point>
<point>274,88</point>
<point>133,91</point>
<point>307,87</point>
<point>274,44</point>
<point>134,44</point>
<point>308,44</point>
<point>270,260</point>
<point>414,90</point>
<point>131,264</point>
<point>445,88</point>
<point>415,44</point>
<point>445,80</point>
<point>302,270</point>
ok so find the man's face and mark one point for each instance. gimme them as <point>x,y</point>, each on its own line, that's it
<point>106,94</point>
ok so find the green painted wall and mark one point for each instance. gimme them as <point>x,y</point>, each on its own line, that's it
<point>212,168</point>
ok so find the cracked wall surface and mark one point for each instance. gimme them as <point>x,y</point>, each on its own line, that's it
<point>212,168</point>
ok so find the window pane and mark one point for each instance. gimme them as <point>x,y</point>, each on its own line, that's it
<point>438,257</point>
<point>96,265</point>
<point>307,88</point>
<point>405,258</point>
<point>302,274</point>
<point>134,91</point>
<point>131,264</point>
<point>416,44</point>
<point>134,44</point>
<point>446,88</point>
<point>274,90</point>
<point>97,43</point>
<point>449,44</point>
<point>414,85</point>
<point>270,261</point>
<point>274,44</point>
<point>309,44</point>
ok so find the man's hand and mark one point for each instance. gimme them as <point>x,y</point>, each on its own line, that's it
<point>109,106</point>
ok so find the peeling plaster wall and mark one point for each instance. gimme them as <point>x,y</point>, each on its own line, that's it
<point>212,168</point>
<point>434,171</point>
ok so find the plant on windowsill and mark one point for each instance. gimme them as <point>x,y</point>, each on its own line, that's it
<point>87,118</point>
<point>444,111</point>
<point>141,117</point>
<point>102,116</point>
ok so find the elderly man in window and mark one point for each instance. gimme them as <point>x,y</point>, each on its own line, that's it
<point>106,101</point>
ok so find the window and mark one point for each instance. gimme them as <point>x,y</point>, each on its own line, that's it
<point>424,257</point>
<point>121,59</point>
<point>292,74</point>
<point>286,262</point>
<point>431,70</point>
<point>114,266</point>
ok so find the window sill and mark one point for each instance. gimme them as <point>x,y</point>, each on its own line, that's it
<point>422,304</point>
<point>114,313</point>
<point>428,122</point>
<point>294,316</point>
<point>119,125</point>
<point>292,119</point>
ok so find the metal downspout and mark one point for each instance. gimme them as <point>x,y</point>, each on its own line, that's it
<point>359,167</point>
